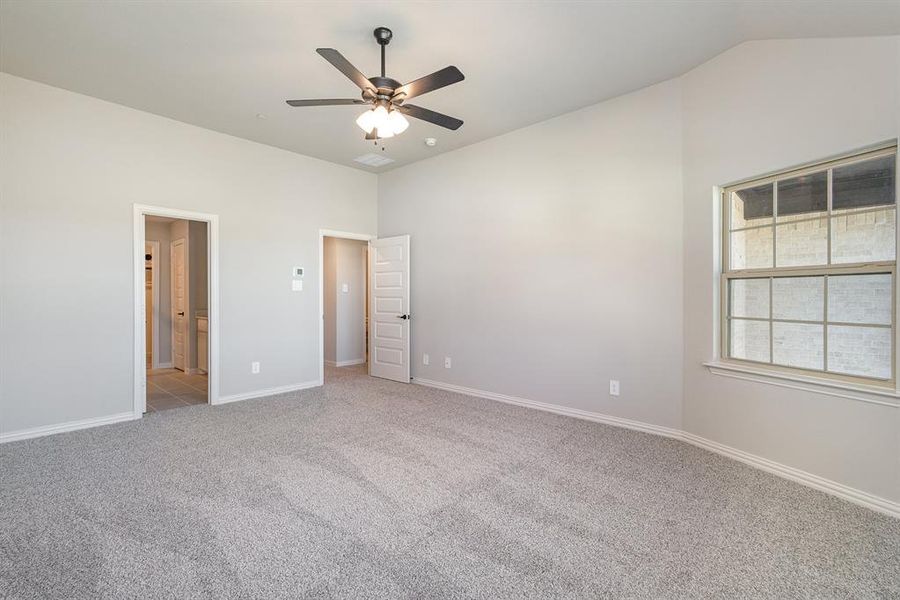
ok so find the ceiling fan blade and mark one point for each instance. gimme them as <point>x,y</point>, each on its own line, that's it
<point>326,102</point>
<point>343,65</point>
<point>429,83</point>
<point>429,115</point>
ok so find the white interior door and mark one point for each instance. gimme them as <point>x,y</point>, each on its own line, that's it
<point>389,308</point>
<point>179,304</point>
<point>149,307</point>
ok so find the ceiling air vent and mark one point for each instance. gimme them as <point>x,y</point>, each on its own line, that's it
<point>374,160</point>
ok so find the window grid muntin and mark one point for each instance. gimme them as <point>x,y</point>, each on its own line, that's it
<point>824,271</point>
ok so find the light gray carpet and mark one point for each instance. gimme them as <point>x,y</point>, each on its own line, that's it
<point>369,489</point>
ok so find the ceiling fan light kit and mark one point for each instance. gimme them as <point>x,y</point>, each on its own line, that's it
<point>387,115</point>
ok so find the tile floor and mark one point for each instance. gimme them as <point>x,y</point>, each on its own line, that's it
<point>171,388</point>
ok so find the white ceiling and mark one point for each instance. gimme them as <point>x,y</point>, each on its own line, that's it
<point>220,64</point>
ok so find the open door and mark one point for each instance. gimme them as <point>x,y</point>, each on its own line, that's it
<point>389,306</point>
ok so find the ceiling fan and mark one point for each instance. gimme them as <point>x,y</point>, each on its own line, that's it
<point>387,96</point>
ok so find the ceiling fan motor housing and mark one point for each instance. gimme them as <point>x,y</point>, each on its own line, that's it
<point>385,85</point>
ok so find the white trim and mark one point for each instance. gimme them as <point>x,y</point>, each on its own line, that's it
<point>323,233</point>
<point>166,365</point>
<point>154,283</point>
<point>817,385</point>
<point>833,488</point>
<point>26,434</point>
<point>346,363</point>
<point>267,392</point>
<point>140,359</point>
<point>553,408</point>
<point>827,486</point>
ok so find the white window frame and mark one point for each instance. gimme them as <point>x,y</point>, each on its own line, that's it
<point>771,273</point>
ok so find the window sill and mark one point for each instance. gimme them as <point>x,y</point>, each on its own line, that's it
<point>872,394</point>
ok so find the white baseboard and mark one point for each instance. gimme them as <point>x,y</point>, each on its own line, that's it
<point>165,365</point>
<point>25,434</point>
<point>859,497</point>
<point>554,408</point>
<point>346,363</point>
<point>268,392</point>
<point>865,499</point>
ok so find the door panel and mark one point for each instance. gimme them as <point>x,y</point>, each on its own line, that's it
<point>149,275</point>
<point>389,277</point>
<point>179,304</point>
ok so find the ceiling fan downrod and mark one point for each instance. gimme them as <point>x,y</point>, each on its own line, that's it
<point>383,36</point>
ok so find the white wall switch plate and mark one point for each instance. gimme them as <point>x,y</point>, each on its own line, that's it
<point>254,367</point>
<point>296,285</point>
<point>345,288</point>
<point>613,387</point>
<point>447,362</point>
<point>425,359</point>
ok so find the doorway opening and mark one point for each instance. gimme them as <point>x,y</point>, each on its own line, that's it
<point>345,305</point>
<point>177,314</point>
<point>176,299</point>
<point>386,315</point>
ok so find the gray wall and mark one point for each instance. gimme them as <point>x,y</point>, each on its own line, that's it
<point>554,258</point>
<point>329,297</point>
<point>547,261</point>
<point>345,329</point>
<point>71,167</point>
<point>197,285</point>
<point>759,107</point>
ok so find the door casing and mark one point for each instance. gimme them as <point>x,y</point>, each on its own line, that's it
<point>140,367</point>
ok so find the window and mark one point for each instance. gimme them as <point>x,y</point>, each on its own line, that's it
<point>809,271</point>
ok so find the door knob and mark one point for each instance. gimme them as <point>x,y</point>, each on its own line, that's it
<point>404,317</point>
<point>181,314</point>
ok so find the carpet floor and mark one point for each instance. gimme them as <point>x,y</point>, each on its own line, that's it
<point>370,489</point>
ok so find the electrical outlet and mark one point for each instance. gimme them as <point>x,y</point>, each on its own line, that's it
<point>613,387</point>
<point>425,359</point>
<point>254,367</point>
<point>447,362</point>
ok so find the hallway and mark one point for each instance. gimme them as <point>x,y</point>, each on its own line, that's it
<point>171,388</point>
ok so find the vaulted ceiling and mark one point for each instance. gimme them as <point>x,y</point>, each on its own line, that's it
<point>229,66</point>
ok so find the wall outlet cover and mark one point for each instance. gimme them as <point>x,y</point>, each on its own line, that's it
<point>254,367</point>
<point>425,359</point>
<point>447,362</point>
<point>613,387</point>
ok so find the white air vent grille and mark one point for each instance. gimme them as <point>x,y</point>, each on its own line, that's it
<point>374,160</point>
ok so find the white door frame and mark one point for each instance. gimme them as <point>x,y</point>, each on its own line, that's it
<point>140,358</point>
<point>154,282</point>
<point>324,233</point>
